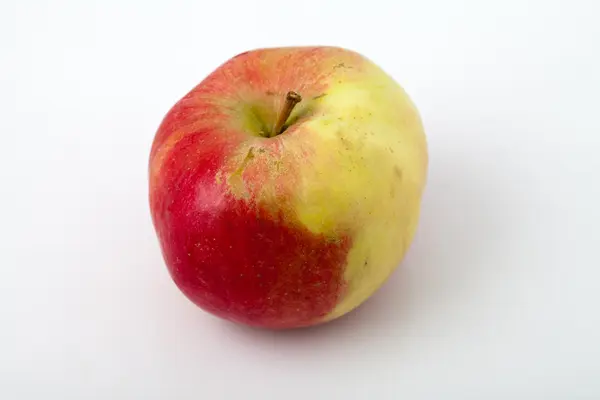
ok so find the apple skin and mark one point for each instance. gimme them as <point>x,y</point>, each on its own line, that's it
<point>296,229</point>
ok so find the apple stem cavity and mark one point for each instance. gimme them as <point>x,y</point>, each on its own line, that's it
<point>291,99</point>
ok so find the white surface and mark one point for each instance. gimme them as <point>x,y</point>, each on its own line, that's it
<point>498,299</point>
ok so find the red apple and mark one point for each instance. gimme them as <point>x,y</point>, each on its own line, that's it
<point>285,187</point>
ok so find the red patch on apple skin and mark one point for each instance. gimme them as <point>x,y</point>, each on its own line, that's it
<point>234,259</point>
<point>273,70</point>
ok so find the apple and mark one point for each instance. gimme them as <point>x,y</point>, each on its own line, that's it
<point>285,188</point>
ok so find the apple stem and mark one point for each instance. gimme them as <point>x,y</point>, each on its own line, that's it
<point>291,99</point>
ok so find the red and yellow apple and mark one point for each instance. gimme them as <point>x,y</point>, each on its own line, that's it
<point>285,188</point>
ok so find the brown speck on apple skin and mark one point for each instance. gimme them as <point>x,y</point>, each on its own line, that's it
<point>347,144</point>
<point>397,172</point>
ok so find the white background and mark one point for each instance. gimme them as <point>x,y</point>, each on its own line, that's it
<point>498,298</point>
